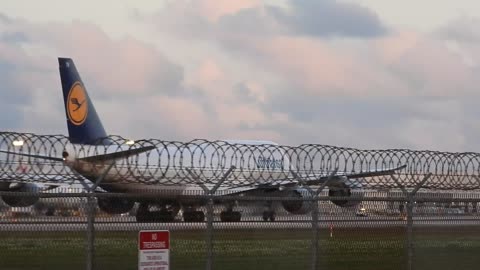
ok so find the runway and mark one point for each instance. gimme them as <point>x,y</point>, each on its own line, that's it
<point>51,224</point>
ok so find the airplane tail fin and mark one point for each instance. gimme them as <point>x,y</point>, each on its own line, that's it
<point>84,125</point>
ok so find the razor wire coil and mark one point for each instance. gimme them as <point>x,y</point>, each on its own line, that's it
<point>173,162</point>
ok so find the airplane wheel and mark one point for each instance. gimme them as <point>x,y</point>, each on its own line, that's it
<point>199,216</point>
<point>268,215</point>
<point>143,215</point>
<point>164,216</point>
<point>230,216</point>
<point>50,211</point>
<point>193,216</point>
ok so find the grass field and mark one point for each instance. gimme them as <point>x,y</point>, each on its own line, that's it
<point>353,248</point>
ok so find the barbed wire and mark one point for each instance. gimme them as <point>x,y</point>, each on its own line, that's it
<point>172,162</point>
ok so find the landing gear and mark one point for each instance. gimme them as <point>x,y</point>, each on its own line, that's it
<point>268,214</point>
<point>190,215</point>
<point>230,216</point>
<point>165,214</point>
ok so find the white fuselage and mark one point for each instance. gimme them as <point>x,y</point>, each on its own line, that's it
<point>176,169</point>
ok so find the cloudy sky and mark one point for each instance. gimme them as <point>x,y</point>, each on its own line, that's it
<point>363,73</point>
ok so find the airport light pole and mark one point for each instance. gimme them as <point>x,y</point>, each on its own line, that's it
<point>17,143</point>
<point>410,196</point>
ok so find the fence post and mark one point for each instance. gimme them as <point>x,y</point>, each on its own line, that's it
<point>315,211</point>
<point>91,219</point>
<point>90,231</point>
<point>211,194</point>
<point>410,196</point>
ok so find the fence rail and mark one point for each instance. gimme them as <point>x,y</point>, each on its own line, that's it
<point>381,231</point>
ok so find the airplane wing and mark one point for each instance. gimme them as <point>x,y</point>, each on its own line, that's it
<point>294,179</point>
<point>31,177</point>
<point>312,180</point>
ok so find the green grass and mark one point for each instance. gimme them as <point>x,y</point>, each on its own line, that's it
<point>354,248</point>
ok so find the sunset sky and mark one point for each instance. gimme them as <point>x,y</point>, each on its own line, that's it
<point>364,73</point>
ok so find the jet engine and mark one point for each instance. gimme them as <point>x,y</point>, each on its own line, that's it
<point>113,205</point>
<point>21,201</point>
<point>345,189</point>
<point>300,205</point>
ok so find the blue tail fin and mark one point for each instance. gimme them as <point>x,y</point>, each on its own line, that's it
<point>84,125</point>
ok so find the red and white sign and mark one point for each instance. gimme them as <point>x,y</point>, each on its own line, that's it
<point>154,250</point>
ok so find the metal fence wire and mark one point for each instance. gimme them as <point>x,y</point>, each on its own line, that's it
<point>384,230</point>
<point>173,163</point>
<point>307,206</point>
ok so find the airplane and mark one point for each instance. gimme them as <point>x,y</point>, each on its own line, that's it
<point>90,149</point>
<point>29,169</point>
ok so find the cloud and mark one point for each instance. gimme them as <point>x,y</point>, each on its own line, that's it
<point>426,65</point>
<point>15,94</point>
<point>137,90</point>
<point>463,29</point>
<point>206,19</point>
<point>13,37</point>
<point>310,64</point>
<point>112,69</point>
<point>327,18</point>
<point>248,93</point>
<point>214,10</point>
<point>463,37</point>
<point>232,107</point>
<point>409,122</point>
<point>13,97</point>
<point>399,64</point>
<point>4,18</point>
<point>131,66</point>
<point>393,63</point>
<point>248,70</point>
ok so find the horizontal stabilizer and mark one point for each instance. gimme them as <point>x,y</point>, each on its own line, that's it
<point>97,158</point>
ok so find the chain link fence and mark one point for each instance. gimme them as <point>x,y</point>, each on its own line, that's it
<point>387,229</point>
<point>234,205</point>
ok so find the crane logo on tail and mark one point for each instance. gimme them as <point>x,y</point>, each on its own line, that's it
<point>77,105</point>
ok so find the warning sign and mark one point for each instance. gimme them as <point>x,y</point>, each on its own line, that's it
<point>154,250</point>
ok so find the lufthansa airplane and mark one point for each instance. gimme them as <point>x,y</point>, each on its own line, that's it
<point>86,132</point>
